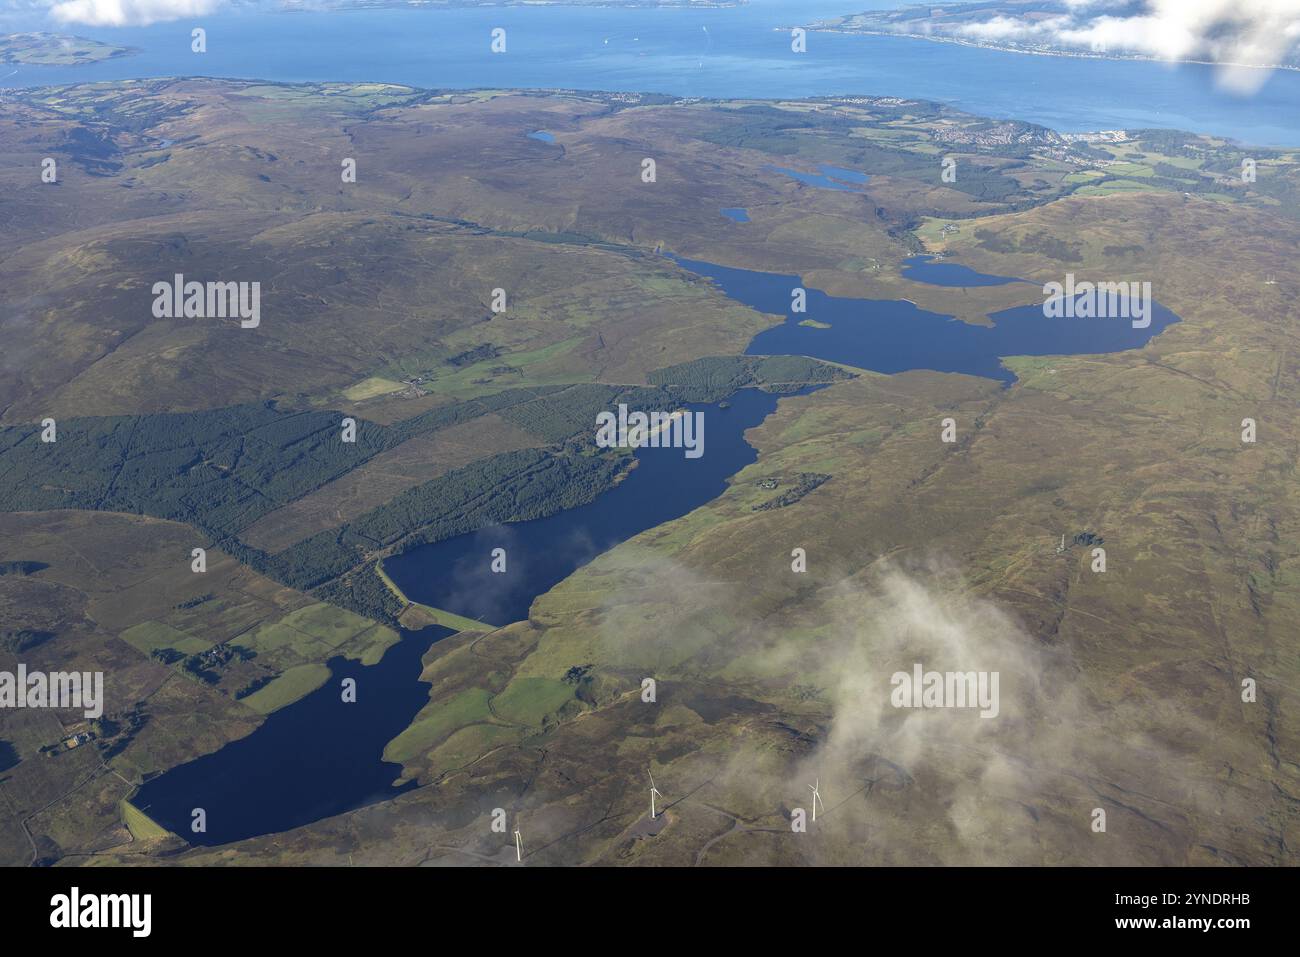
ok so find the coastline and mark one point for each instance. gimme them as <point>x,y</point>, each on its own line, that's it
<point>1074,54</point>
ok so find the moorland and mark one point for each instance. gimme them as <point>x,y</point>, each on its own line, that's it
<point>1122,689</point>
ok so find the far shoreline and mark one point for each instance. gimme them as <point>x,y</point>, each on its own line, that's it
<point>1079,54</point>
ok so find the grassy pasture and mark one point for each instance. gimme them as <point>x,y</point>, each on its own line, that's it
<point>295,683</point>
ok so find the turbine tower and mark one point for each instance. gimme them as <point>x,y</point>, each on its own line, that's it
<point>817,798</point>
<point>519,847</point>
<point>654,792</point>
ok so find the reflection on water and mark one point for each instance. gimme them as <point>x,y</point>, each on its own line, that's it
<point>456,574</point>
<point>315,758</point>
<point>938,272</point>
<point>831,177</point>
<point>892,335</point>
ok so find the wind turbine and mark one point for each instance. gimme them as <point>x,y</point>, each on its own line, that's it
<point>817,797</point>
<point>519,847</point>
<point>654,791</point>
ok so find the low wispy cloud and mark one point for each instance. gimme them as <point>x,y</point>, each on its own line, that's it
<point>1239,35</point>
<point>907,783</point>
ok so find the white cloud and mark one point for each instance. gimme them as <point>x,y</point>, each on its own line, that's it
<point>122,13</point>
<point>1236,34</point>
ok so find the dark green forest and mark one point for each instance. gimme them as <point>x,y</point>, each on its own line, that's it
<point>220,470</point>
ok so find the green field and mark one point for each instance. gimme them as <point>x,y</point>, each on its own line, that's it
<point>295,683</point>
<point>530,701</point>
<point>316,632</point>
<point>437,722</point>
<point>371,387</point>
<point>151,635</point>
<point>1112,186</point>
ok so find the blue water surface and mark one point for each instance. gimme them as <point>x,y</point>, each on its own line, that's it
<point>741,51</point>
